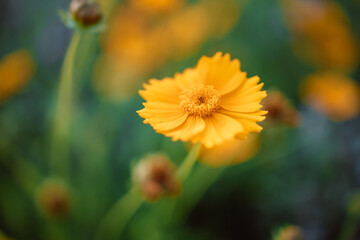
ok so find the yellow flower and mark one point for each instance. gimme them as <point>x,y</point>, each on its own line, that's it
<point>16,69</point>
<point>231,152</point>
<point>332,94</point>
<point>210,104</point>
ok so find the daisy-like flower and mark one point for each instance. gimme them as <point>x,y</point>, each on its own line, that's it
<point>210,103</point>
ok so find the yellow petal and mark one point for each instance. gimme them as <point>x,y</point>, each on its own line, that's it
<point>219,128</point>
<point>190,128</point>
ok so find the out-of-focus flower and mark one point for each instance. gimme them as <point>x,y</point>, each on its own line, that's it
<point>16,69</point>
<point>231,152</point>
<point>332,94</point>
<point>289,232</point>
<point>322,34</point>
<point>156,177</point>
<point>187,31</point>
<point>222,16</point>
<point>136,45</point>
<point>210,103</point>
<point>157,6</point>
<point>280,110</point>
<point>53,198</point>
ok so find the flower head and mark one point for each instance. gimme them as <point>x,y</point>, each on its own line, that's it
<point>16,69</point>
<point>53,198</point>
<point>280,110</point>
<point>155,175</point>
<point>332,94</point>
<point>210,103</point>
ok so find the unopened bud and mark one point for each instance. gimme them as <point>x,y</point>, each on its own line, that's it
<point>85,12</point>
<point>280,110</point>
<point>156,177</point>
<point>53,198</point>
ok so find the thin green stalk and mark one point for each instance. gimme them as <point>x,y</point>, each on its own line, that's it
<point>352,218</point>
<point>61,128</point>
<point>187,165</point>
<point>113,224</point>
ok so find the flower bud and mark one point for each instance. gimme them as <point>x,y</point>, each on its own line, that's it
<point>280,110</point>
<point>85,12</point>
<point>53,198</point>
<point>156,177</point>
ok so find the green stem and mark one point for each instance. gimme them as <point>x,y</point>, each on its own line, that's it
<point>352,219</point>
<point>113,224</point>
<point>187,165</point>
<point>60,135</point>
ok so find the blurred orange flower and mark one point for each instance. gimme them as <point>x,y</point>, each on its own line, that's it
<point>157,6</point>
<point>231,152</point>
<point>210,104</point>
<point>332,94</point>
<point>16,69</point>
<point>136,44</point>
<point>322,34</point>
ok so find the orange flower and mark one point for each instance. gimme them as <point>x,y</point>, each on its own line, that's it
<point>157,6</point>
<point>231,152</point>
<point>322,34</point>
<point>332,94</point>
<point>210,104</point>
<point>16,69</point>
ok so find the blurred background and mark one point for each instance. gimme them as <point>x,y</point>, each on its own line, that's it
<point>301,175</point>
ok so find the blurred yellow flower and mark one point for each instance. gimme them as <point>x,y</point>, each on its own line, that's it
<point>3,237</point>
<point>231,152</point>
<point>322,34</point>
<point>280,110</point>
<point>16,69</point>
<point>332,94</point>
<point>210,103</point>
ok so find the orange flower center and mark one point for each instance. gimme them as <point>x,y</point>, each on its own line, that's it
<point>200,100</point>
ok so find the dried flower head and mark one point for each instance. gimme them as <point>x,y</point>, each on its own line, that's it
<point>155,175</point>
<point>280,110</point>
<point>53,198</point>
<point>289,232</point>
<point>85,12</point>
<point>210,104</point>
<point>332,94</point>
<point>16,69</point>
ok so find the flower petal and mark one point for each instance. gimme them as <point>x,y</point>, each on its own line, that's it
<point>219,128</point>
<point>154,91</point>
<point>190,128</point>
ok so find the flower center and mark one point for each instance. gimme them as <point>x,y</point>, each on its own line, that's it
<point>200,100</point>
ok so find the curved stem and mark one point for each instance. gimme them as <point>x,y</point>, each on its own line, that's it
<point>113,224</point>
<point>187,165</point>
<point>119,215</point>
<point>59,142</point>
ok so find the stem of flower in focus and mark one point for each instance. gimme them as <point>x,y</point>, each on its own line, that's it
<point>60,135</point>
<point>187,165</point>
